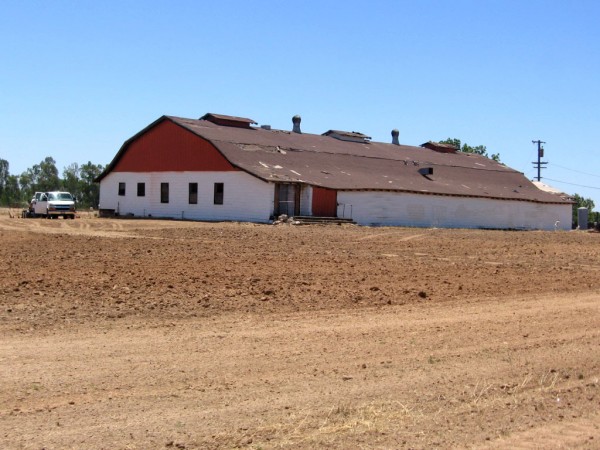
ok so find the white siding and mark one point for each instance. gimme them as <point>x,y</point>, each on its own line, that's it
<point>391,208</point>
<point>245,198</point>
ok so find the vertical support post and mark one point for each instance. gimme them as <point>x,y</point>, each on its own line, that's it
<point>540,154</point>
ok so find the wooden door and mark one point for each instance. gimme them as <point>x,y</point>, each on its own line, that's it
<point>324,202</point>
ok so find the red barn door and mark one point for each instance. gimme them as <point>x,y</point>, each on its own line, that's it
<point>324,202</point>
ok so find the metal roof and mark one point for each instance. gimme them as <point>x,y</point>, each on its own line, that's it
<point>284,156</point>
<point>434,145</point>
<point>208,116</point>
<point>350,134</point>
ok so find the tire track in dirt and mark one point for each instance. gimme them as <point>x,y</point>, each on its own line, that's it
<point>388,235</point>
<point>58,226</point>
<point>580,433</point>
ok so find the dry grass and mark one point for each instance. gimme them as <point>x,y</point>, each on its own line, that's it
<point>312,429</point>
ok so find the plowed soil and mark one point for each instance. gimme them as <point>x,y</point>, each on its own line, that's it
<point>142,334</point>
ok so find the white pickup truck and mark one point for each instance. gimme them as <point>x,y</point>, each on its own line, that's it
<point>53,204</point>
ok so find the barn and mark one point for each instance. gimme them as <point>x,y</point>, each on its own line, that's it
<point>226,168</point>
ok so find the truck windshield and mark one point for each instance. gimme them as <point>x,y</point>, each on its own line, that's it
<point>59,196</point>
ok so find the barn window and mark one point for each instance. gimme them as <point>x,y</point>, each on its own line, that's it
<point>219,193</point>
<point>141,189</point>
<point>122,189</point>
<point>164,192</point>
<point>193,191</point>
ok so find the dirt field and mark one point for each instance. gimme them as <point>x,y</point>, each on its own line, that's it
<point>131,334</point>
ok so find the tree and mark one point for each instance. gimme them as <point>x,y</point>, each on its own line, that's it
<point>465,148</point>
<point>12,193</point>
<point>9,185</point>
<point>43,177</point>
<point>90,191</point>
<point>581,202</point>
<point>4,173</point>
<point>28,181</point>
<point>48,178</point>
<point>40,177</point>
<point>71,181</point>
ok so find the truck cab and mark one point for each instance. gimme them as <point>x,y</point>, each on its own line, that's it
<point>54,204</point>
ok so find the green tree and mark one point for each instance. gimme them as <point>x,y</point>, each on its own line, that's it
<point>40,177</point>
<point>90,191</point>
<point>28,181</point>
<point>76,179</point>
<point>48,178</point>
<point>4,174</point>
<point>581,202</point>
<point>12,193</point>
<point>465,148</point>
<point>70,181</point>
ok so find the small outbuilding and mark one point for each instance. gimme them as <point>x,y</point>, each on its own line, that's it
<point>220,168</point>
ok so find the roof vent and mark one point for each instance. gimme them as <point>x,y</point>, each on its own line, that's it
<point>296,121</point>
<point>228,121</point>
<point>395,134</point>
<point>350,136</point>
<point>266,127</point>
<point>439,147</point>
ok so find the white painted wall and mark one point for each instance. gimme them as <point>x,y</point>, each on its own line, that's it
<point>391,208</point>
<point>246,198</point>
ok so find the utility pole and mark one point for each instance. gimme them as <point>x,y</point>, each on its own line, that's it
<point>539,164</point>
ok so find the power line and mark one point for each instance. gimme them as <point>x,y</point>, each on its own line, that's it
<point>572,184</point>
<point>573,170</point>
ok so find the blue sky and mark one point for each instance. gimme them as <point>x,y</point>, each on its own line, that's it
<point>77,78</point>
